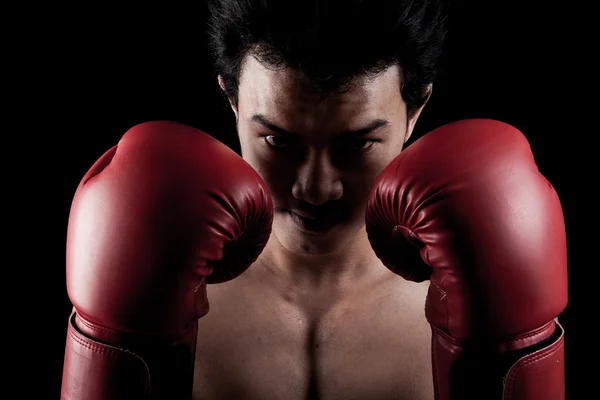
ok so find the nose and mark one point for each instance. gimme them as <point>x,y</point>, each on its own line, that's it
<point>317,180</point>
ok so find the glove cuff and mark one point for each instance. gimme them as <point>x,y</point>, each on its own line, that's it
<point>541,373</point>
<point>98,369</point>
<point>532,372</point>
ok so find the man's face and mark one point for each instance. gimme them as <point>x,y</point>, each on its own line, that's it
<point>319,155</point>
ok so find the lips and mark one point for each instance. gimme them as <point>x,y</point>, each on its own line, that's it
<point>312,223</point>
<point>304,214</point>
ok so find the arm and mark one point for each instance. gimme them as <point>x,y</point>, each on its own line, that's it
<point>156,218</point>
<point>466,208</point>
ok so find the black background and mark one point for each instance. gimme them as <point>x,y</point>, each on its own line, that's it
<point>89,75</point>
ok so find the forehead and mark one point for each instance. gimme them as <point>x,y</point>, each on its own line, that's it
<point>282,94</point>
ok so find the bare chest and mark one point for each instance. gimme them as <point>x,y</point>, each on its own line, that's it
<point>254,344</point>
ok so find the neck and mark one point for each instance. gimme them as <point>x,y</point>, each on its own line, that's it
<point>353,262</point>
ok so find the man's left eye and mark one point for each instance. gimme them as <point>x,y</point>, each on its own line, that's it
<point>362,144</point>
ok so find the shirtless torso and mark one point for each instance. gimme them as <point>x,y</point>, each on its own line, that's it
<point>267,337</point>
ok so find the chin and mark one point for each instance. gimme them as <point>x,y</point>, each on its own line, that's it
<point>303,246</point>
<point>300,242</point>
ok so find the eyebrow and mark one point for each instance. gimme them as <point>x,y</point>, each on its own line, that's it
<point>264,121</point>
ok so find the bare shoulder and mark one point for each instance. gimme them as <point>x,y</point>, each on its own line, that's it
<point>248,340</point>
<point>406,302</point>
<point>235,301</point>
<point>410,296</point>
<point>387,310</point>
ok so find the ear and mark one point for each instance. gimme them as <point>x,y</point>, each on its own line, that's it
<point>222,86</point>
<point>412,119</point>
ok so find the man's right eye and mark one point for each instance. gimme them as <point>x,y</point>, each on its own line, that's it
<point>276,141</point>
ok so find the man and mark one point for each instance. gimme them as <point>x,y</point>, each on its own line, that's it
<point>325,95</point>
<point>449,290</point>
<point>315,88</point>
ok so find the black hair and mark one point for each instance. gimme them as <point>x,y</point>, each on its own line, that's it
<point>329,42</point>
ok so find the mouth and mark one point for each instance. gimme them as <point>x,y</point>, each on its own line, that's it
<point>312,224</point>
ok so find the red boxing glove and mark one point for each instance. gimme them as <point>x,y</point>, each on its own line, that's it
<point>156,218</point>
<point>466,207</point>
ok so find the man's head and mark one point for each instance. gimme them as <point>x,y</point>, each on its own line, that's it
<point>325,95</point>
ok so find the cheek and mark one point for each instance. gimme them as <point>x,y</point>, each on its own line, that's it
<point>361,180</point>
<point>278,178</point>
<point>276,171</point>
<point>248,147</point>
